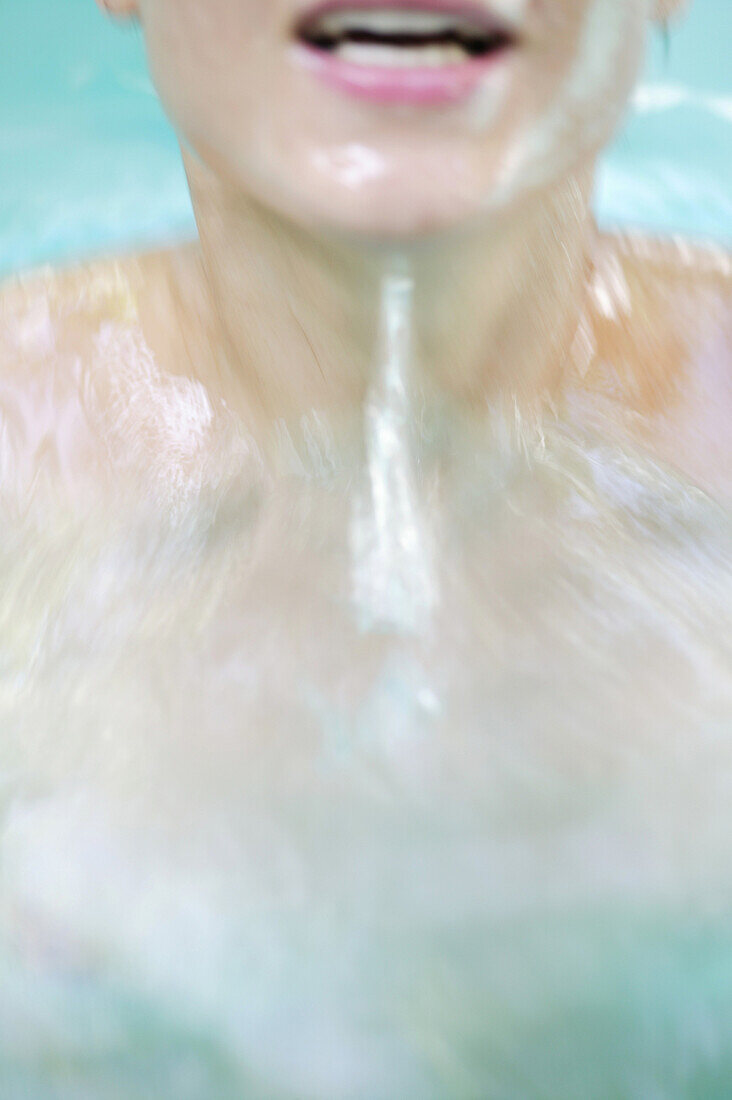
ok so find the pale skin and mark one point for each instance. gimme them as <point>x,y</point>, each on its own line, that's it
<point>334,669</point>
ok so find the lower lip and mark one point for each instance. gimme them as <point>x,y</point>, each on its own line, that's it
<point>423,86</point>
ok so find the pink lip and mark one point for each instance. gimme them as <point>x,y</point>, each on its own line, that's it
<point>424,86</point>
<point>420,85</point>
<point>469,8</point>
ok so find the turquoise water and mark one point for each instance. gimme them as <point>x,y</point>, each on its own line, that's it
<point>89,162</point>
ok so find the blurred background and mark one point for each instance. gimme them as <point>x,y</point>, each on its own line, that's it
<point>89,164</point>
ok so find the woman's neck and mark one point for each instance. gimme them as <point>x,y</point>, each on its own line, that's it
<point>489,313</point>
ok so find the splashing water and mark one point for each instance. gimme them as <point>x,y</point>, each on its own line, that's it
<point>394,580</point>
<point>301,798</point>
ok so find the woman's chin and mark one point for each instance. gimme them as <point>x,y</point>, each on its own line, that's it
<point>391,217</point>
<point>355,191</point>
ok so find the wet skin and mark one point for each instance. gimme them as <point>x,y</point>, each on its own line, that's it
<point>205,697</point>
<point>365,671</point>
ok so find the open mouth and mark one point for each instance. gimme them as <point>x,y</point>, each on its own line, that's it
<point>404,37</point>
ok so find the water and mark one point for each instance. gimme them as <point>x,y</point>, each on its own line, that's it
<point>89,163</point>
<point>393,582</point>
<point>256,850</point>
<point>379,891</point>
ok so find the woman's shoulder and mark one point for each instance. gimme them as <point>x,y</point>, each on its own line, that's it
<point>660,349</point>
<point>58,329</point>
<point>660,295</point>
<point>46,312</point>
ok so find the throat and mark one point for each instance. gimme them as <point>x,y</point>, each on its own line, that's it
<point>492,315</point>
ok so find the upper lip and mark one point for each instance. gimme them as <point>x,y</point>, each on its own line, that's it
<point>475,17</point>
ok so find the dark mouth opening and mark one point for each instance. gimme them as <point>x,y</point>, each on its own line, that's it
<point>475,42</point>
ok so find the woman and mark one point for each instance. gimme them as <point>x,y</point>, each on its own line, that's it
<point>366,580</point>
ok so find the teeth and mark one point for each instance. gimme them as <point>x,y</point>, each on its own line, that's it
<point>405,37</point>
<point>399,57</point>
<point>388,21</point>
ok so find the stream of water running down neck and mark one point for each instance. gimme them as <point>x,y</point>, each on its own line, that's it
<point>394,581</point>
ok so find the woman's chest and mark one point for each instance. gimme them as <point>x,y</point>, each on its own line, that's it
<point>290,635</point>
<point>276,774</point>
